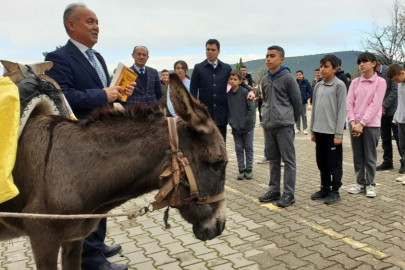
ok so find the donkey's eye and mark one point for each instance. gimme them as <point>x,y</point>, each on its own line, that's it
<point>217,165</point>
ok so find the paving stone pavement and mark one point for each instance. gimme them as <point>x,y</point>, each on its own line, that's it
<point>357,233</point>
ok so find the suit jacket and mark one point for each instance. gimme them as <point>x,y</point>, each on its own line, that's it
<point>78,79</point>
<point>209,86</point>
<point>390,102</point>
<point>153,91</point>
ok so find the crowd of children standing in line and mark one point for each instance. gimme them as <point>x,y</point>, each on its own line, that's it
<point>362,105</point>
<point>282,102</point>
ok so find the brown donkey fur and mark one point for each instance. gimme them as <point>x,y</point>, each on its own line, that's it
<point>94,165</point>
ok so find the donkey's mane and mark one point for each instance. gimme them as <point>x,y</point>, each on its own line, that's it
<point>135,113</point>
<point>138,113</point>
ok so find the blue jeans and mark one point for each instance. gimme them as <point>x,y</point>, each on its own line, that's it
<point>303,116</point>
<point>244,146</point>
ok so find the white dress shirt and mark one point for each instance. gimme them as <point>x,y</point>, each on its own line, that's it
<point>214,64</point>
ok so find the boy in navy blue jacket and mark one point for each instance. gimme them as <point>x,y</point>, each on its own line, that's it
<point>306,93</point>
<point>241,117</point>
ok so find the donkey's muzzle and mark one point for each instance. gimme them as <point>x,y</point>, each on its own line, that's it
<point>204,232</point>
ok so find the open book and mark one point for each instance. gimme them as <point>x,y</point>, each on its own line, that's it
<point>122,77</point>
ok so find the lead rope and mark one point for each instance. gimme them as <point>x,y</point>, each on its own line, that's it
<point>130,215</point>
<point>166,218</point>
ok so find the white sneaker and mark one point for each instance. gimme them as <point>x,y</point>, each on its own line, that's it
<point>401,178</point>
<point>264,160</point>
<point>356,189</point>
<point>305,132</point>
<point>297,131</point>
<point>370,192</point>
<point>403,183</point>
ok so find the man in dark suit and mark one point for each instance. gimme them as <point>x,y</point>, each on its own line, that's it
<point>82,74</point>
<point>209,84</point>
<point>148,90</point>
<point>388,129</point>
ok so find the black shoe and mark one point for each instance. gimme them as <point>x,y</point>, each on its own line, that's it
<point>113,266</point>
<point>241,174</point>
<point>385,166</point>
<point>320,195</point>
<point>402,169</point>
<point>286,200</point>
<point>110,251</point>
<point>269,196</point>
<point>333,197</point>
<point>248,174</point>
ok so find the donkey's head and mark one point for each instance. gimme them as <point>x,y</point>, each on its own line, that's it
<point>204,147</point>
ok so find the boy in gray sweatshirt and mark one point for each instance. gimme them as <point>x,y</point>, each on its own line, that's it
<point>327,123</point>
<point>241,117</point>
<point>280,111</point>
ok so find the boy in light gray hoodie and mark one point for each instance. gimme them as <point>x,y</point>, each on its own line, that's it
<point>280,111</point>
<point>327,123</point>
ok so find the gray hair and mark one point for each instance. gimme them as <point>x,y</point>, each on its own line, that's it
<point>140,47</point>
<point>71,13</point>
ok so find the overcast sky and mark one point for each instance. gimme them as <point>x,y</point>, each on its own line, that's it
<point>178,29</point>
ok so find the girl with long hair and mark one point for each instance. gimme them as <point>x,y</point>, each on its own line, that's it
<point>364,110</point>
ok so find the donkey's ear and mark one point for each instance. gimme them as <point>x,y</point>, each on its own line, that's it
<point>194,114</point>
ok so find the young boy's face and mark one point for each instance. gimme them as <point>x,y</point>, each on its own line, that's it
<point>164,76</point>
<point>273,59</point>
<point>399,78</point>
<point>234,81</point>
<point>300,76</point>
<point>327,70</point>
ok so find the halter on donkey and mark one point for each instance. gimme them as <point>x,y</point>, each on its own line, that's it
<point>180,172</point>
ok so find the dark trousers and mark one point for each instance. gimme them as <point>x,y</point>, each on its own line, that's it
<point>259,106</point>
<point>244,145</point>
<point>92,256</point>
<point>386,137</point>
<point>222,130</point>
<point>330,161</point>
<point>280,146</point>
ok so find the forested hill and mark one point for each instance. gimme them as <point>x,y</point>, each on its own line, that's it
<point>307,63</point>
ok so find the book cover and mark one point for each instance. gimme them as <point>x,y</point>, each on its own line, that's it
<point>122,77</point>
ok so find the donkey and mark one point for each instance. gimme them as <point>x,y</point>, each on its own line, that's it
<point>93,165</point>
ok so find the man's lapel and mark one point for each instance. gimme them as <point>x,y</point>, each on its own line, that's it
<point>82,60</point>
<point>149,77</point>
<point>138,86</point>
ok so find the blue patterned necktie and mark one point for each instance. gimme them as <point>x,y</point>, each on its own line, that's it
<point>142,71</point>
<point>92,59</point>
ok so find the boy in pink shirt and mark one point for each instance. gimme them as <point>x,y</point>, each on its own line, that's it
<point>364,103</point>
